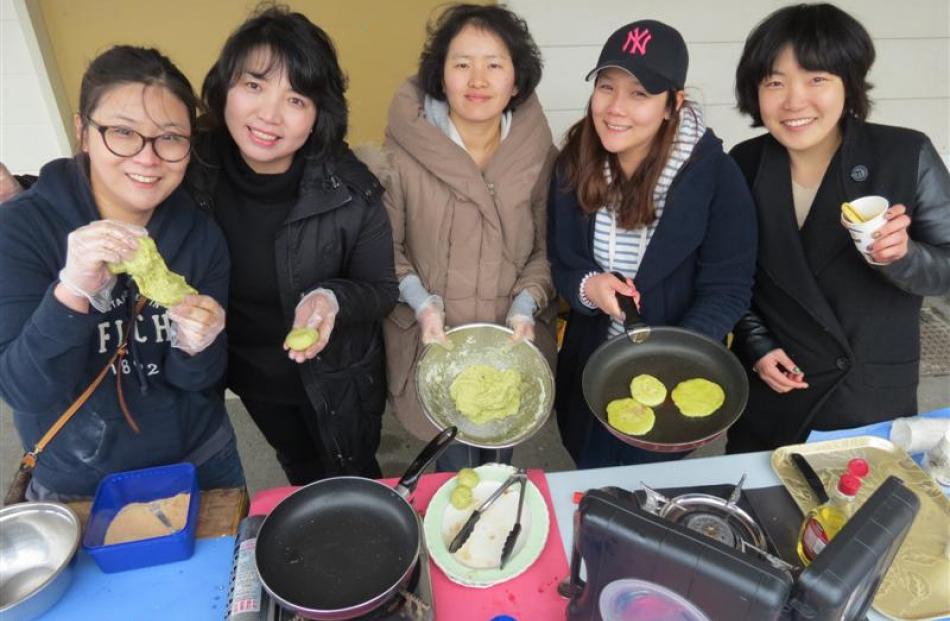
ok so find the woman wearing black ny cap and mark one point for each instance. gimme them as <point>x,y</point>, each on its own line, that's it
<point>643,188</point>
<point>833,337</point>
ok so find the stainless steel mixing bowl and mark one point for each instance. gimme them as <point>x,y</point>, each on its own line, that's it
<point>485,343</point>
<point>37,542</point>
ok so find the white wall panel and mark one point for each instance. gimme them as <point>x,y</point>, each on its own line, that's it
<point>911,68</point>
<point>911,76</point>
<point>31,131</point>
<point>16,59</point>
<point>26,147</point>
<point>572,22</point>
<point>929,116</point>
<point>20,99</point>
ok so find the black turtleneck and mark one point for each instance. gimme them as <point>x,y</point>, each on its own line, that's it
<point>251,208</point>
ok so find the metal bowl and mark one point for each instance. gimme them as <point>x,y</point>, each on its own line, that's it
<point>37,542</point>
<point>490,344</point>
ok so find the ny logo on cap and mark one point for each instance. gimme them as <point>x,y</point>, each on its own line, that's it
<point>637,41</point>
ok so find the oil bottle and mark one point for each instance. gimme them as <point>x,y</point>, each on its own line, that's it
<point>824,521</point>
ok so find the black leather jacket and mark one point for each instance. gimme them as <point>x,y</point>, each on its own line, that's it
<point>852,327</point>
<point>925,270</point>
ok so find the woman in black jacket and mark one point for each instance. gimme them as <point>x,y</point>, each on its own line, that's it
<point>832,340</point>
<point>310,241</point>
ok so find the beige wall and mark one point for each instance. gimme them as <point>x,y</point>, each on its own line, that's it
<point>378,41</point>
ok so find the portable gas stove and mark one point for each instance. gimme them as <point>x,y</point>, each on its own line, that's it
<point>411,604</point>
<point>723,514</point>
<point>731,552</point>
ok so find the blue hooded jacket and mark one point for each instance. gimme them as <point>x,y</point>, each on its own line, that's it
<point>50,353</point>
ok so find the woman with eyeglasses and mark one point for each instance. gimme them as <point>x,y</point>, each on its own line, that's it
<point>310,246</point>
<point>63,313</point>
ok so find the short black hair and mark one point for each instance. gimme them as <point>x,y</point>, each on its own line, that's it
<point>824,38</point>
<point>127,64</point>
<point>525,55</point>
<point>308,55</point>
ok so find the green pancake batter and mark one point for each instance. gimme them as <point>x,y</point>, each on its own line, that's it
<point>483,393</point>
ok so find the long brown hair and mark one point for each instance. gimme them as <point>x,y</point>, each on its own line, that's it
<point>581,166</point>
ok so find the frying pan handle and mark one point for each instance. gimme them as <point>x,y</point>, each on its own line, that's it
<point>429,454</point>
<point>628,306</point>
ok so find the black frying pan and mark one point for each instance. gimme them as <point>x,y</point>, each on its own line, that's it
<point>672,355</point>
<point>341,547</point>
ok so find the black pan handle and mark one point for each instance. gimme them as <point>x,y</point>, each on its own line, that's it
<point>572,585</point>
<point>631,316</point>
<point>429,454</point>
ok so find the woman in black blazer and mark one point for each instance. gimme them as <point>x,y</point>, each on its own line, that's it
<point>832,340</point>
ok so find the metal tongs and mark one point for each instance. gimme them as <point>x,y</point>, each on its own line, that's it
<point>459,540</point>
<point>512,537</point>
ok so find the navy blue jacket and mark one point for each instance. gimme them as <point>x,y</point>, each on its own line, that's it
<point>698,267</point>
<point>49,353</point>
<point>697,271</point>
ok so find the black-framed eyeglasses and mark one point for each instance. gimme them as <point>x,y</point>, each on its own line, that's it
<point>126,142</point>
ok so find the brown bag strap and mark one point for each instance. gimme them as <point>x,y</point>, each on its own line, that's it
<point>29,459</point>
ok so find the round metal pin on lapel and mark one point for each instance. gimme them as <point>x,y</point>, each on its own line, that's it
<point>859,172</point>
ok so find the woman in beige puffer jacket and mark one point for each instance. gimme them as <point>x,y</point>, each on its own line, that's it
<point>470,153</point>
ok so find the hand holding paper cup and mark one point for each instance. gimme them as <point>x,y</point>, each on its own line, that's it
<point>862,217</point>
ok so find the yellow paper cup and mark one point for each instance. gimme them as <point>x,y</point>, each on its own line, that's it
<point>874,211</point>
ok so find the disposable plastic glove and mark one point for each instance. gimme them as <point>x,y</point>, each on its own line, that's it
<point>431,318</point>
<point>196,322</point>
<point>318,309</point>
<point>89,249</point>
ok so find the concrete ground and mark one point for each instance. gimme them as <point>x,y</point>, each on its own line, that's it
<point>397,448</point>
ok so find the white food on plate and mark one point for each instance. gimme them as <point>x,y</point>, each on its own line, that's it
<point>483,548</point>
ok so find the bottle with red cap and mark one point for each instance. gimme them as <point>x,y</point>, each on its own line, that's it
<point>825,521</point>
<point>858,467</point>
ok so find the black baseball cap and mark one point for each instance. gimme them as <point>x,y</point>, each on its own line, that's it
<point>649,50</point>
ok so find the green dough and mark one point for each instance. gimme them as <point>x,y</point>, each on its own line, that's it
<point>461,497</point>
<point>299,339</point>
<point>155,280</point>
<point>467,477</point>
<point>483,393</point>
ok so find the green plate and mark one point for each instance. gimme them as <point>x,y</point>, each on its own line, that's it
<point>476,563</point>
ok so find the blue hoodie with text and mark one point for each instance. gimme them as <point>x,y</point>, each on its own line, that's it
<point>49,353</point>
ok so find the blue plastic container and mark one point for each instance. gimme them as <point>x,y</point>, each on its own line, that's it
<point>117,490</point>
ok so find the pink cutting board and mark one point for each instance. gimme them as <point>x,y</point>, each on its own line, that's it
<point>532,596</point>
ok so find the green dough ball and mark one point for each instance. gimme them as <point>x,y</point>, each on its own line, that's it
<point>301,339</point>
<point>461,497</point>
<point>155,280</point>
<point>467,478</point>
